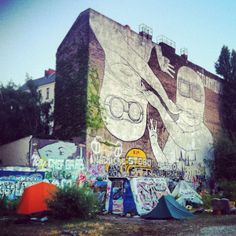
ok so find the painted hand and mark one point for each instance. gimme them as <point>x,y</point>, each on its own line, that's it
<point>167,67</point>
<point>164,63</point>
<point>152,129</point>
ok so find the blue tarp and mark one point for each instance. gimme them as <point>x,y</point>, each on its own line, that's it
<point>100,184</point>
<point>168,208</point>
<point>124,193</point>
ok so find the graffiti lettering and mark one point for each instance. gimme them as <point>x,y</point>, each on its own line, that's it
<point>149,190</point>
<point>13,183</point>
<point>114,171</point>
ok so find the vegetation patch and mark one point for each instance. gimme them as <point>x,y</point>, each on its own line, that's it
<point>94,119</point>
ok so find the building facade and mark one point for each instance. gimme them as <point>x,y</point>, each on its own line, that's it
<point>158,111</point>
<point>45,86</point>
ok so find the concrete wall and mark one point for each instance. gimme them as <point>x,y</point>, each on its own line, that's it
<point>159,111</point>
<point>15,153</point>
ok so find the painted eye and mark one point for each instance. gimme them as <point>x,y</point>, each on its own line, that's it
<point>196,93</point>
<point>135,111</point>
<point>116,107</point>
<point>184,87</point>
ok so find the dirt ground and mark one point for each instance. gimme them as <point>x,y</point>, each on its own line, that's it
<point>203,224</point>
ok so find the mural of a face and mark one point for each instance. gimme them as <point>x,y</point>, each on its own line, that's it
<point>124,104</point>
<point>190,97</point>
<point>58,150</point>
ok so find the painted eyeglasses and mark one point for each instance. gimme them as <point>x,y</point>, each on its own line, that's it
<point>190,90</point>
<point>120,109</point>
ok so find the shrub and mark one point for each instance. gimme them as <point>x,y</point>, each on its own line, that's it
<point>3,206</point>
<point>206,198</point>
<point>7,206</point>
<point>74,202</point>
<point>229,189</point>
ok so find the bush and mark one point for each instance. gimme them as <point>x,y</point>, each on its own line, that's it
<point>206,198</point>
<point>229,189</point>
<point>74,202</point>
<point>225,157</point>
<point>7,206</point>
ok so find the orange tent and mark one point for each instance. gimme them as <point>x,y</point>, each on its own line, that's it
<point>34,198</point>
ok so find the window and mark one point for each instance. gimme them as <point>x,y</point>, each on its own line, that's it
<point>40,92</point>
<point>47,94</point>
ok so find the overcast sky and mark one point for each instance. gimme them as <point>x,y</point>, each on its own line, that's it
<point>31,30</point>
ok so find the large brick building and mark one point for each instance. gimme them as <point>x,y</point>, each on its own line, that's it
<point>156,112</point>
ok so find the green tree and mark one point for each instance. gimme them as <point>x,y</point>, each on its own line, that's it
<point>225,151</point>
<point>223,64</point>
<point>21,112</point>
<point>226,67</point>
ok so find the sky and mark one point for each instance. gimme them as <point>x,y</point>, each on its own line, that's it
<point>32,30</point>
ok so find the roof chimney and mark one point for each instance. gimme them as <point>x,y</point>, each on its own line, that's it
<point>49,72</point>
<point>184,53</point>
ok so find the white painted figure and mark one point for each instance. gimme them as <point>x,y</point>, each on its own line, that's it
<point>125,99</point>
<point>190,141</point>
<point>126,64</point>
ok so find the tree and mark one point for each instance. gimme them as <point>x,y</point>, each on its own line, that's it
<point>21,112</point>
<point>223,64</point>
<point>225,151</point>
<point>226,67</point>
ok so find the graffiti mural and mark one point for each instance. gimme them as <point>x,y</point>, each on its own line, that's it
<point>106,156</point>
<point>13,183</point>
<point>134,98</point>
<point>189,142</point>
<point>117,197</point>
<point>126,65</point>
<point>148,191</point>
<point>97,170</point>
<point>135,163</point>
<point>46,149</point>
<point>61,161</point>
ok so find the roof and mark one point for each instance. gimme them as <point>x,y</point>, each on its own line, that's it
<point>42,81</point>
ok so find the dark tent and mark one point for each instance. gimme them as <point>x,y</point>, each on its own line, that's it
<point>168,208</point>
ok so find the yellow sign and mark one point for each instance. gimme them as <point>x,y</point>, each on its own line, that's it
<point>136,159</point>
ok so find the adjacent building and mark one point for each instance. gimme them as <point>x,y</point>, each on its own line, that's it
<point>45,86</point>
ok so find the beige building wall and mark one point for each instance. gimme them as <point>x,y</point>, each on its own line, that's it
<point>15,153</point>
<point>47,92</point>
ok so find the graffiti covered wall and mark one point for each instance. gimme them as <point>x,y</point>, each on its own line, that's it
<point>61,161</point>
<point>53,161</point>
<point>157,113</point>
<point>147,192</point>
<point>13,181</point>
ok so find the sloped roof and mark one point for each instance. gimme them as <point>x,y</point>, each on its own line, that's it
<point>42,81</point>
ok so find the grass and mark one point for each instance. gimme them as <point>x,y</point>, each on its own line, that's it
<point>113,225</point>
